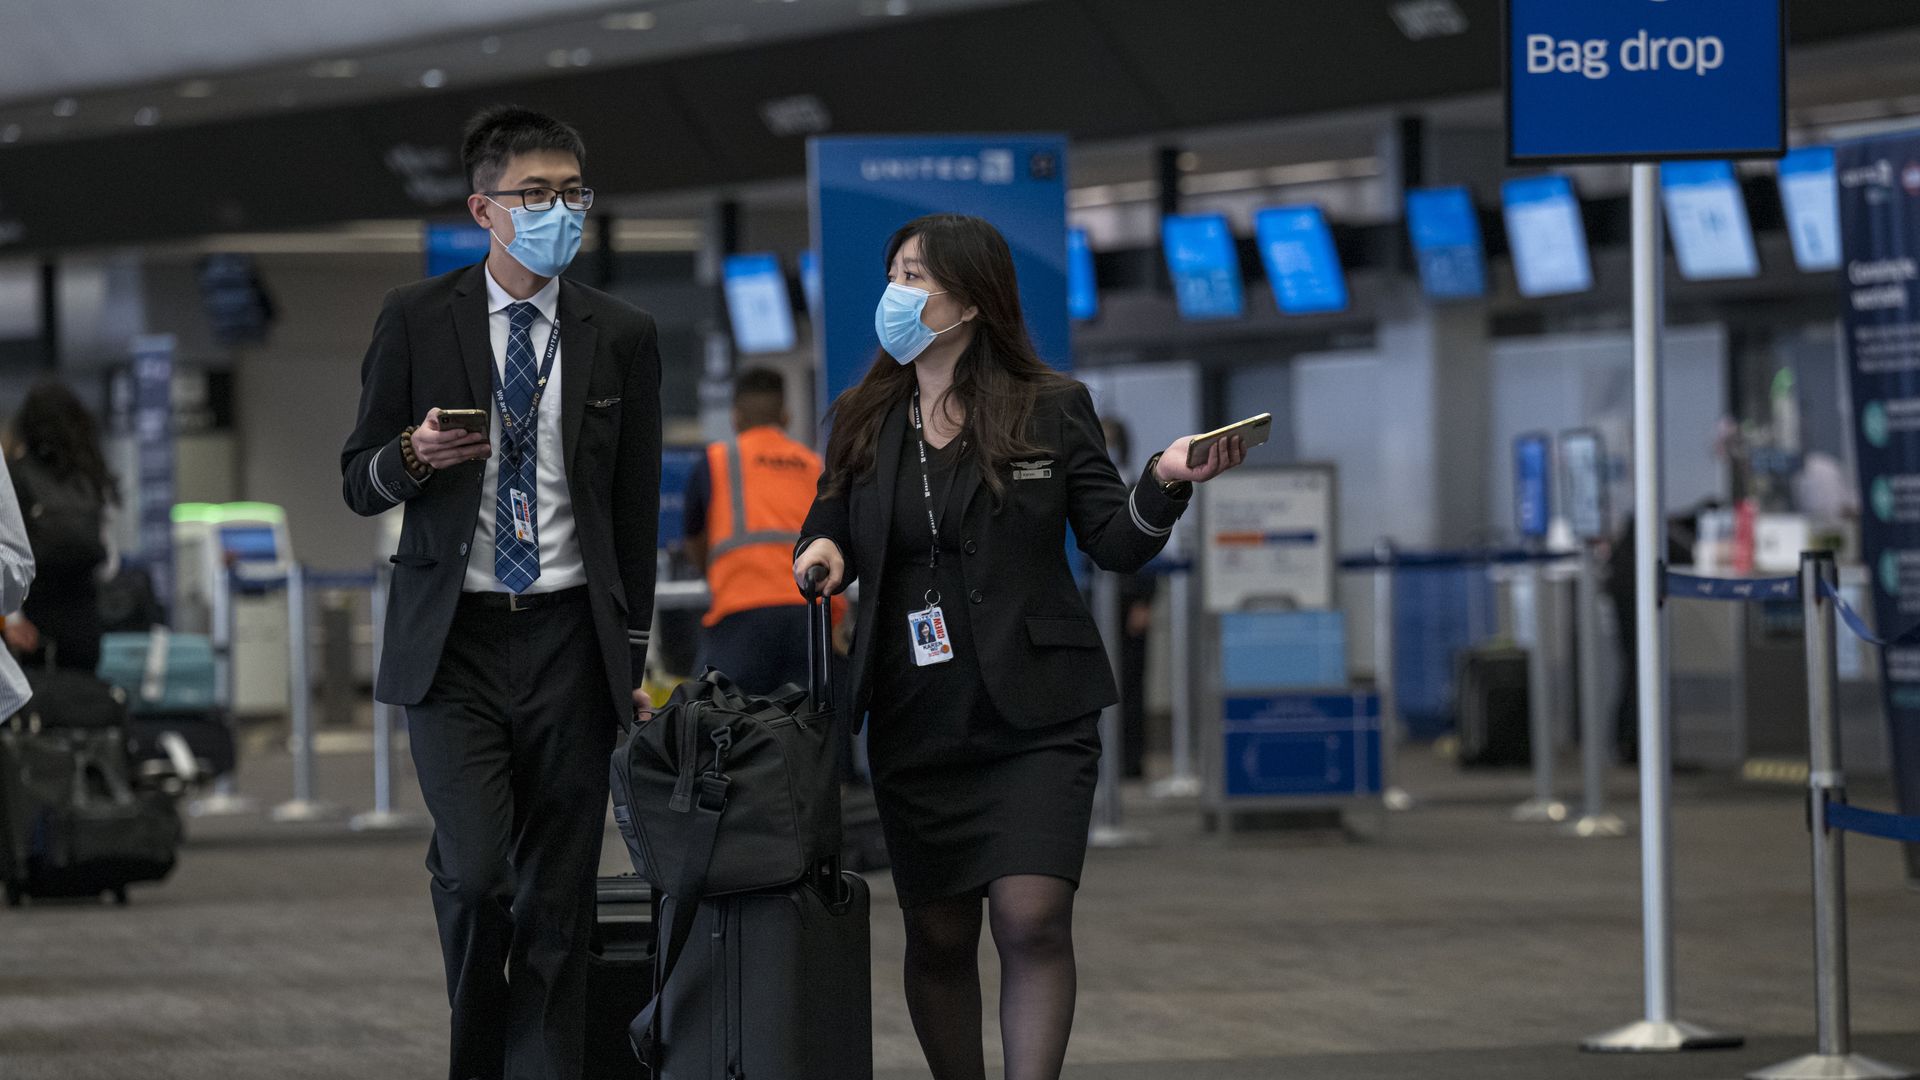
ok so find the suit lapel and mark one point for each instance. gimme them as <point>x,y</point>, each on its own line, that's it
<point>470,327</point>
<point>887,469</point>
<point>967,480</point>
<point>577,338</point>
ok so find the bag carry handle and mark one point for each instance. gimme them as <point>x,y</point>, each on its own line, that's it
<point>819,639</point>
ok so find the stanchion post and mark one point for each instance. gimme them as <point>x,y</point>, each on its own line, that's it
<point>1658,1031</point>
<point>1107,830</point>
<point>1392,732</point>
<point>1185,781</point>
<point>303,806</point>
<point>382,816</point>
<point>1833,1058</point>
<point>226,800</point>
<point>1594,820</point>
<point>1544,806</point>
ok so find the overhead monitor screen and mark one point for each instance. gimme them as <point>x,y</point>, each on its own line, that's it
<point>1083,293</point>
<point>1302,266</point>
<point>1532,485</point>
<point>454,244</point>
<point>758,304</point>
<point>1707,218</point>
<point>1548,240</point>
<point>1205,266</point>
<point>250,543</point>
<point>1445,229</point>
<point>1811,196</point>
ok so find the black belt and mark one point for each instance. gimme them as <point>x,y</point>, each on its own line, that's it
<point>506,601</point>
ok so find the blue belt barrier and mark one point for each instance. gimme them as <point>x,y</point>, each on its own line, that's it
<point>1909,636</point>
<point>1694,587</point>
<point>1855,819</point>
<point>1442,559</point>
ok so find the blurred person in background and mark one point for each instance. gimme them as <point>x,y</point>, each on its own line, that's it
<point>65,493</point>
<point>746,501</point>
<point>1136,621</point>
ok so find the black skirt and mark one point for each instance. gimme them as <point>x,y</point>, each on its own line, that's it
<point>964,796</point>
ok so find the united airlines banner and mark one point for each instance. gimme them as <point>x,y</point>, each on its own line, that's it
<point>865,188</point>
<point>1879,181</point>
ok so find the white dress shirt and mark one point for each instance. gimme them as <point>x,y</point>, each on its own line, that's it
<point>560,563</point>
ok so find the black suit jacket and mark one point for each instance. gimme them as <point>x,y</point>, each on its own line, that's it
<point>431,349</point>
<point>1039,650</point>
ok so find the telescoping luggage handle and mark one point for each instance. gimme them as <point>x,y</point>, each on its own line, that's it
<point>819,639</point>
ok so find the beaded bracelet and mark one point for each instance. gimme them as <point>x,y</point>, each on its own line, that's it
<point>416,468</point>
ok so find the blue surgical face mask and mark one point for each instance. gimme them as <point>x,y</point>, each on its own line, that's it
<point>897,321</point>
<point>544,241</point>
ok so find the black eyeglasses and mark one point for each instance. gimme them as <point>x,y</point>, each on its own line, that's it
<point>542,198</point>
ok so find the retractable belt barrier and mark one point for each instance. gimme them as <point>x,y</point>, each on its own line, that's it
<point>1829,815</point>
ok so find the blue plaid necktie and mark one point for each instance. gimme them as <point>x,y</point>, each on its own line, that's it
<point>516,562</point>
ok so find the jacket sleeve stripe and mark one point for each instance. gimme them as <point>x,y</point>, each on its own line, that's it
<point>1139,522</point>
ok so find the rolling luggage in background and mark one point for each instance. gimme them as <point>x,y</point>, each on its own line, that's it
<point>169,683</point>
<point>1493,719</point>
<point>619,976</point>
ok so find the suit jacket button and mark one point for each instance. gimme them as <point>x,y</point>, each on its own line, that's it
<point>463,551</point>
<point>970,547</point>
<point>975,596</point>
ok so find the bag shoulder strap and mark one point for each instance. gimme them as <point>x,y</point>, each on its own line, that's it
<point>684,904</point>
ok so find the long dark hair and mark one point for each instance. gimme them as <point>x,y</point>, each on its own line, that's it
<point>55,429</point>
<point>998,377</point>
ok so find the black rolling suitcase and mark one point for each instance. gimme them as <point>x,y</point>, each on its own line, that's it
<point>1493,720</point>
<point>619,975</point>
<point>764,955</point>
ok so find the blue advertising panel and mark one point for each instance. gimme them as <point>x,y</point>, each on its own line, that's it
<point>153,456</point>
<point>1532,485</point>
<point>1880,296</point>
<point>810,282</point>
<point>1624,81</point>
<point>758,304</point>
<point>676,469</point>
<point>1083,291</point>
<point>454,244</point>
<point>1301,745</point>
<point>1204,264</point>
<point>1445,229</point>
<point>1810,192</point>
<point>1546,236</point>
<point>1707,218</point>
<point>865,188</point>
<point>1302,266</point>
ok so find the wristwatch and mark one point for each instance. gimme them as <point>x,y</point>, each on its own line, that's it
<point>1174,489</point>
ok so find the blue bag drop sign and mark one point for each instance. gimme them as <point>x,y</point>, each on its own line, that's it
<point>1643,80</point>
<point>1879,182</point>
<point>1301,745</point>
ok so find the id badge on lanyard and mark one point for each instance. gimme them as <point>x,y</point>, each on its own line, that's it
<point>927,628</point>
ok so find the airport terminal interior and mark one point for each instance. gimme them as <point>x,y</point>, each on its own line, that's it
<point>1539,699</point>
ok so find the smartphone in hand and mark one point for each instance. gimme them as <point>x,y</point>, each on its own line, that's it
<point>471,420</point>
<point>1252,431</point>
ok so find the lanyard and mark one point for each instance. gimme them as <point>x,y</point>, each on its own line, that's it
<point>510,441</point>
<point>926,492</point>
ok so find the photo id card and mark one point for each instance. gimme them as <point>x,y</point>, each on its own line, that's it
<point>522,516</point>
<point>927,629</point>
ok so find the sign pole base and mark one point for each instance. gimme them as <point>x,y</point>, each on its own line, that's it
<point>305,810</point>
<point>1597,826</point>
<point>1398,799</point>
<point>1833,1067</point>
<point>1104,836</point>
<point>1538,809</point>
<point>1660,1037</point>
<point>1176,787</point>
<point>386,821</point>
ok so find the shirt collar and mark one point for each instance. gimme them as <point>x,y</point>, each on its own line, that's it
<point>546,301</point>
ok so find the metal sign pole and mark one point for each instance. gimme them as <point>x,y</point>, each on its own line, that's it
<point>1185,781</point>
<point>1392,733</point>
<point>1594,820</point>
<point>1544,805</point>
<point>382,816</point>
<point>1107,830</point>
<point>1833,1058</point>
<point>1658,1031</point>
<point>303,806</point>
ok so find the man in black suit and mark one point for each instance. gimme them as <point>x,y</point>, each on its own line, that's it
<point>523,585</point>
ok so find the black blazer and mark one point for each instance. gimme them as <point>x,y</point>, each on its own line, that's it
<point>1037,643</point>
<point>431,349</point>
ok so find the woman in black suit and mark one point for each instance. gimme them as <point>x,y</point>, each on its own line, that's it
<point>952,474</point>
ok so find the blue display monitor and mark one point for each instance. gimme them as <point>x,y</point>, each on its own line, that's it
<point>758,304</point>
<point>1083,292</point>
<point>1811,195</point>
<point>1302,266</point>
<point>1445,229</point>
<point>810,281</point>
<point>676,470</point>
<point>1205,266</point>
<point>1546,236</point>
<point>1707,218</point>
<point>1532,485</point>
<point>454,244</point>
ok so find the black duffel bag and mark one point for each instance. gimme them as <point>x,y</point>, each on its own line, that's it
<point>724,792</point>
